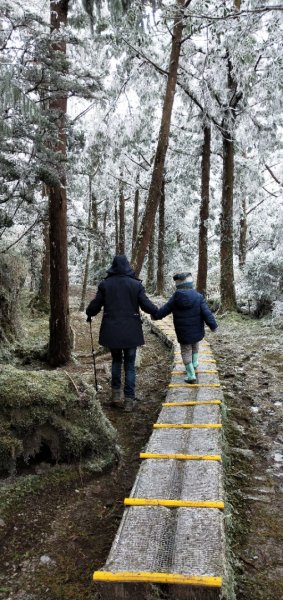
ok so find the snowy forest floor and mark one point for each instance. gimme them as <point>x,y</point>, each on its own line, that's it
<point>58,532</point>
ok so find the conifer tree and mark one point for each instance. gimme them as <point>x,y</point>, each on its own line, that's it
<point>163,139</point>
<point>204,210</point>
<point>59,340</point>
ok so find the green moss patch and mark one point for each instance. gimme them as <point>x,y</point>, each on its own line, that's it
<point>49,409</point>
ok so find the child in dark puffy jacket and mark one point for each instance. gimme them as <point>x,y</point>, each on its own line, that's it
<point>190,313</point>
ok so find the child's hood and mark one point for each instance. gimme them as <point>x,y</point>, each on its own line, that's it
<point>185,298</point>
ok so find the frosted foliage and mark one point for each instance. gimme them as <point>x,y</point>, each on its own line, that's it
<point>115,82</point>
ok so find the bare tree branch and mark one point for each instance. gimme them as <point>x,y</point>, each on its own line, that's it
<point>164,72</point>
<point>235,14</point>
<point>273,176</point>
<point>136,163</point>
<point>21,237</point>
<point>263,200</point>
<point>126,182</point>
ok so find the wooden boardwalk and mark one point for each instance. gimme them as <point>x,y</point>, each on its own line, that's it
<point>171,537</point>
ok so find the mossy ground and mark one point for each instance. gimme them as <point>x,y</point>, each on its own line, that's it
<point>70,513</point>
<point>51,409</point>
<point>249,355</point>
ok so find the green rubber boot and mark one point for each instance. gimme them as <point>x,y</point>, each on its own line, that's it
<point>195,360</point>
<point>191,376</point>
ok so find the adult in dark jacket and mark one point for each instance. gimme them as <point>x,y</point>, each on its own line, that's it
<point>190,313</point>
<point>121,294</point>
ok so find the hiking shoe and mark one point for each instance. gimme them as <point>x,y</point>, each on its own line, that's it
<point>129,404</point>
<point>116,399</point>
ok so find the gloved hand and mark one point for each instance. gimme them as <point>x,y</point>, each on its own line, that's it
<point>88,319</point>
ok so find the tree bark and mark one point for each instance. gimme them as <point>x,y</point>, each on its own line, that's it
<point>161,240</point>
<point>204,211</point>
<point>227,285</point>
<point>136,215</point>
<point>150,284</point>
<point>33,266</point>
<point>162,145</point>
<point>94,227</point>
<point>243,234</point>
<point>91,217</point>
<point>227,288</point>
<point>43,298</point>
<point>104,242</point>
<point>116,230</point>
<point>85,279</point>
<point>59,341</point>
<point>121,245</point>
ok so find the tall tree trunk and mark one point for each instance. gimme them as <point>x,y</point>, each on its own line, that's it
<point>94,227</point>
<point>59,341</point>
<point>136,214</point>
<point>227,288</point>
<point>116,230</point>
<point>162,144</point>
<point>94,213</point>
<point>150,283</point>
<point>104,254</point>
<point>204,211</point>
<point>33,266</point>
<point>227,285</point>
<point>91,217</point>
<point>85,279</point>
<point>121,245</point>
<point>161,240</point>
<point>43,298</point>
<point>243,234</point>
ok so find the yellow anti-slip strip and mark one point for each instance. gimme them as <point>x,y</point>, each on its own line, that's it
<point>192,403</point>
<point>201,352</point>
<point>206,371</point>
<point>174,503</point>
<point>144,576</point>
<point>192,385</point>
<point>181,456</point>
<point>187,426</point>
<point>197,371</point>
<point>208,360</point>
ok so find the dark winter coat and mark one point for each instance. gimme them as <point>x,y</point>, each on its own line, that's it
<point>121,295</point>
<point>190,313</point>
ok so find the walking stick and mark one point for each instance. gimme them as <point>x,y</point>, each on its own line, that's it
<point>93,356</point>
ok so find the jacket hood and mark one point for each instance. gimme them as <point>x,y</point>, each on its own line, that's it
<point>185,298</point>
<point>121,266</point>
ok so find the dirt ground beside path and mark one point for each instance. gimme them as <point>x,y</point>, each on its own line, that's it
<point>61,531</point>
<point>250,362</point>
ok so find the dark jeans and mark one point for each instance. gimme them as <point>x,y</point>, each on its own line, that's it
<point>129,355</point>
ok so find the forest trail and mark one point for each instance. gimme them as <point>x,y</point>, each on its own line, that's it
<point>62,527</point>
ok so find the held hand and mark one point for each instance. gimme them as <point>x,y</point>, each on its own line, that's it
<point>88,319</point>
